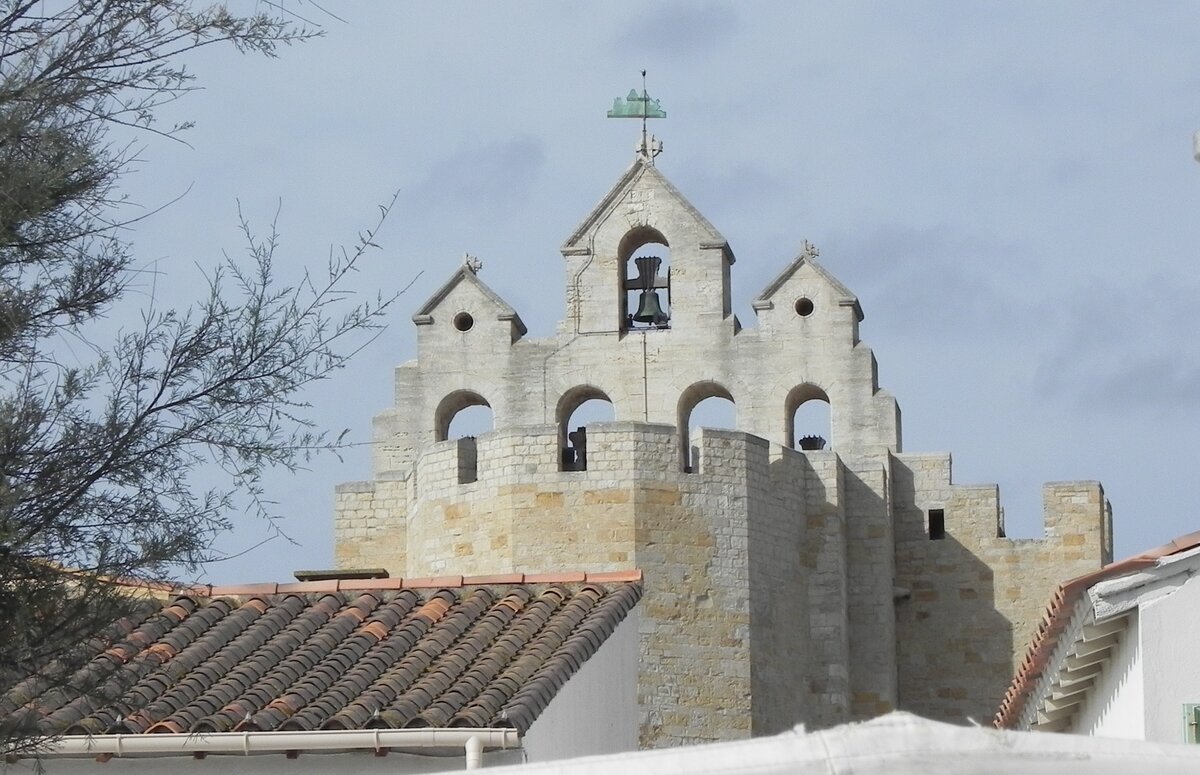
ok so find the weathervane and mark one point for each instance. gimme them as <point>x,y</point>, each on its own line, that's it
<point>641,106</point>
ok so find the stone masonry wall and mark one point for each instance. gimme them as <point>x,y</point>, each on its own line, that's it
<point>974,596</point>
<point>870,586</point>
<point>824,565</point>
<point>521,514</point>
<point>760,539</point>
<point>369,524</point>
<point>772,569</point>
<point>694,676</point>
<point>780,641</point>
<point>649,375</point>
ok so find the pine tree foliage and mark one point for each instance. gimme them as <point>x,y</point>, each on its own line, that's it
<point>99,455</point>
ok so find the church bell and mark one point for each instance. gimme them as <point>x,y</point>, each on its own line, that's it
<point>649,310</point>
<point>649,307</point>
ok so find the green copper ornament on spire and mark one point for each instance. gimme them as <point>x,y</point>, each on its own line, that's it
<point>636,106</point>
<point>641,106</point>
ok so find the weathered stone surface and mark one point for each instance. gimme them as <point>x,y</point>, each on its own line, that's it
<point>781,586</point>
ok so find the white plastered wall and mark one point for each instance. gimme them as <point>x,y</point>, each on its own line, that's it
<point>1115,706</point>
<point>1170,635</point>
<point>596,711</point>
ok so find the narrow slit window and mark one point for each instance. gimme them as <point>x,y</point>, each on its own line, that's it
<point>937,524</point>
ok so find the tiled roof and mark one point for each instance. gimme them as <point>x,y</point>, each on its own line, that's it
<point>1057,618</point>
<point>449,652</point>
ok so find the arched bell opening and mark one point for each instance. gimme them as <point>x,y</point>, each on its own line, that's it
<point>645,265</point>
<point>464,415</point>
<point>578,407</point>
<point>460,414</point>
<point>808,415</point>
<point>705,404</point>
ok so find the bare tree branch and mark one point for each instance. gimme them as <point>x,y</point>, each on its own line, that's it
<point>99,459</point>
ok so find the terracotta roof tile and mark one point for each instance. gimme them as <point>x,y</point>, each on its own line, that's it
<point>336,654</point>
<point>433,581</point>
<point>555,578</point>
<point>503,578</point>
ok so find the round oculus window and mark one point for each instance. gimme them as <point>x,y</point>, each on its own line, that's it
<point>463,321</point>
<point>804,306</point>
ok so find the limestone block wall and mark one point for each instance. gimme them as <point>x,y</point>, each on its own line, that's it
<point>1078,540</point>
<point>724,635</point>
<point>780,638</point>
<point>521,514</point>
<point>645,204</point>
<point>369,529</point>
<point>654,376</point>
<point>971,600</point>
<point>870,580</point>
<point>781,586</point>
<point>823,562</point>
<point>472,350</point>
<point>725,616</point>
<point>694,680</point>
<point>393,450</point>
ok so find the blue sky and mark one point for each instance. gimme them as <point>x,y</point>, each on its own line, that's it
<point>1008,188</point>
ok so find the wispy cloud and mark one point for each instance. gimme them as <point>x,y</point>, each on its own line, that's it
<point>678,29</point>
<point>934,282</point>
<point>492,175</point>
<point>1130,347</point>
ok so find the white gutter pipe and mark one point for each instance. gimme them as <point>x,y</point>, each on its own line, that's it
<point>474,753</point>
<point>472,740</point>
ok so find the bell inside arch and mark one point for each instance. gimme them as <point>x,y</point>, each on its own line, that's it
<point>650,309</point>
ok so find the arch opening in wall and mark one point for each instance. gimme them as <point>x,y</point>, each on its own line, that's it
<point>578,407</point>
<point>809,417</point>
<point>645,267</point>
<point>707,405</point>
<point>462,413</point>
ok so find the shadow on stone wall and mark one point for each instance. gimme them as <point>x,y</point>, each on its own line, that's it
<point>953,647</point>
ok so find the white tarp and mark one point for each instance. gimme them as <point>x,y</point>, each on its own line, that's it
<point>897,744</point>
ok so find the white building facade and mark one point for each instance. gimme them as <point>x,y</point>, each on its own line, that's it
<point>1126,661</point>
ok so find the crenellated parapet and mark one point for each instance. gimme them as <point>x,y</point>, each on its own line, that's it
<point>501,502</point>
<point>969,596</point>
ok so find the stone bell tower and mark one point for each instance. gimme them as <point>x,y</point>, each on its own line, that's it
<point>782,585</point>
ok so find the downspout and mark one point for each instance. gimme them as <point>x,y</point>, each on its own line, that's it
<point>474,753</point>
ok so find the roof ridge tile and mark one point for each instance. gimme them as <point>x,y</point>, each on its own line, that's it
<point>393,583</point>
